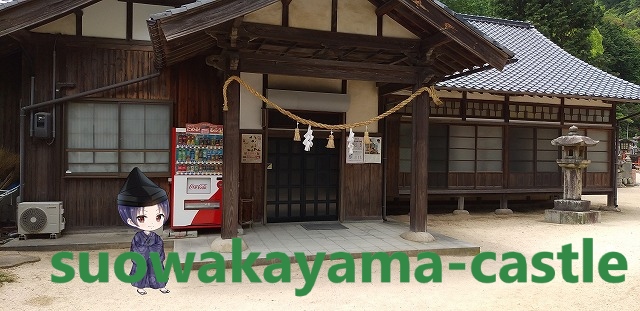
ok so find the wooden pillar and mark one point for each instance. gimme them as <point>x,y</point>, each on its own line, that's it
<point>419,151</point>
<point>231,162</point>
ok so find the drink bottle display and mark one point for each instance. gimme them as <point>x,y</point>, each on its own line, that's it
<point>199,154</point>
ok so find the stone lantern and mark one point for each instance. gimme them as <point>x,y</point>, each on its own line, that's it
<point>571,208</point>
<point>574,147</point>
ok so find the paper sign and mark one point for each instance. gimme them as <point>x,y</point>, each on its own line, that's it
<point>251,148</point>
<point>358,151</point>
<point>373,151</point>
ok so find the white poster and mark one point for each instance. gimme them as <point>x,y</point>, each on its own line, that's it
<point>373,151</point>
<point>358,151</point>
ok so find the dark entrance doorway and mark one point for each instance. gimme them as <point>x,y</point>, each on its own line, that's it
<point>302,185</point>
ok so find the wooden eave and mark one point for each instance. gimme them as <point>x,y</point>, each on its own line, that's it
<point>33,13</point>
<point>445,45</point>
<point>413,16</point>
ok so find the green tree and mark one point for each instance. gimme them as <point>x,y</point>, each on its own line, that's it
<point>567,23</point>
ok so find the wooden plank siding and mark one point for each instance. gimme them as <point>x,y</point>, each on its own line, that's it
<point>92,202</point>
<point>10,69</point>
<point>252,188</point>
<point>90,63</point>
<point>392,151</point>
<point>362,191</point>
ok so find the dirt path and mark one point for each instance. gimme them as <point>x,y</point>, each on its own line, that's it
<point>459,290</point>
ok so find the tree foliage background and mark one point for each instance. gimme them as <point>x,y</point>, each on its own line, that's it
<point>604,33</point>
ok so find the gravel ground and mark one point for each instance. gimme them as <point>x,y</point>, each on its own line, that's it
<point>525,233</point>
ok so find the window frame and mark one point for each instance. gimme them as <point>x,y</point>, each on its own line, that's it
<point>119,150</point>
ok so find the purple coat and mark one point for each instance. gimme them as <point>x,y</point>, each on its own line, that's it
<point>144,244</point>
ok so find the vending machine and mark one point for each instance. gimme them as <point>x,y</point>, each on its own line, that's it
<point>196,185</point>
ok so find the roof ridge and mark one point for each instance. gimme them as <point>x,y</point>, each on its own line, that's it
<point>496,20</point>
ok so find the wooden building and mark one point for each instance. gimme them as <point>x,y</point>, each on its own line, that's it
<point>116,76</point>
<point>491,138</point>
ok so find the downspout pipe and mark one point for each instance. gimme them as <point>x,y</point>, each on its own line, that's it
<point>23,115</point>
<point>90,92</point>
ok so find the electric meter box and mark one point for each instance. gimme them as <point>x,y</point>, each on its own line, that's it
<point>42,125</point>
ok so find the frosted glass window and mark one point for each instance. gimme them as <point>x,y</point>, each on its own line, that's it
<point>489,131</point>
<point>94,126</point>
<point>520,148</point>
<point>521,167</point>
<point>462,131</point>
<point>598,167</point>
<point>462,166</point>
<point>133,120</point>
<point>544,155</point>
<point>101,137</point>
<point>603,145</point>
<point>598,156</point>
<point>490,143</point>
<point>489,155</point>
<point>547,166</point>
<point>489,166</point>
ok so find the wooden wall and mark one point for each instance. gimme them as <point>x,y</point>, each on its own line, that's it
<point>93,201</point>
<point>10,71</point>
<point>91,63</point>
<point>252,191</point>
<point>362,191</point>
<point>197,90</point>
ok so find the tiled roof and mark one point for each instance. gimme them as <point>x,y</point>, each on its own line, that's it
<point>542,68</point>
<point>7,3</point>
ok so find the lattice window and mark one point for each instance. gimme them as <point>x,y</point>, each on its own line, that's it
<point>587,115</point>
<point>538,112</point>
<point>490,110</point>
<point>449,108</point>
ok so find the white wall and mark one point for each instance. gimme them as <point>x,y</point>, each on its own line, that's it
<point>105,19</point>
<point>141,13</point>
<point>250,106</point>
<point>65,25</point>
<point>364,103</point>
<point>391,28</point>
<point>357,16</point>
<point>307,14</point>
<point>271,15</point>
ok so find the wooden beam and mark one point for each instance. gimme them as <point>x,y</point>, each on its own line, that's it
<point>79,14</point>
<point>334,15</point>
<point>231,164</point>
<point>129,21</point>
<point>173,3</point>
<point>468,38</point>
<point>27,14</point>
<point>320,68</point>
<point>387,7</point>
<point>328,38</point>
<point>198,18</point>
<point>285,12</point>
<point>419,152</point>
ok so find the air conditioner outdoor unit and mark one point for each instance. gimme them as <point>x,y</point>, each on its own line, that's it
<point>40,218</point>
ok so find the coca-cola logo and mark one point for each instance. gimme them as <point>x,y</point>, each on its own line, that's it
<point>198,186</point>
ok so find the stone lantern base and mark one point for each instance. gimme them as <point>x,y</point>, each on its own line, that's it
<point>572,205</point>
<point>571,217</point>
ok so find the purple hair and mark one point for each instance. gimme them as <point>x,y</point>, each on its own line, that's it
<point>130,212</point>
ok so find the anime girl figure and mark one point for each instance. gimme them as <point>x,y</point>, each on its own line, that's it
<point>145,206</point>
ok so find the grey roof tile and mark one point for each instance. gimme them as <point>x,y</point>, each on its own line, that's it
<point>542,68</point>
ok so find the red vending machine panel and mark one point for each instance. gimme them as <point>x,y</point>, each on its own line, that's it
<point>197,177</point>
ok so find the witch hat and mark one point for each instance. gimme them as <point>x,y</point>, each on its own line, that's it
<point>139,190</point>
